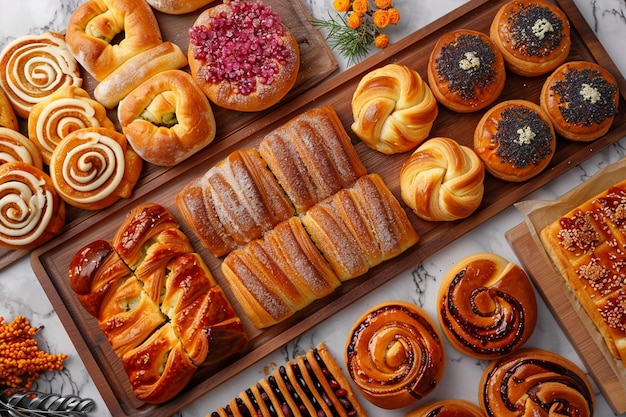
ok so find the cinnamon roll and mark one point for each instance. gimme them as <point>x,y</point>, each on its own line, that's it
<point>16,147</point>
<point>534,382</point>
<point>486,306</point>
<point>68,109</point>
<point>7,114</point>
<point>394,354</point>
<point>92,168</point>
<point>34,67</point>
<point>31,211</point>
<point>447,408</point>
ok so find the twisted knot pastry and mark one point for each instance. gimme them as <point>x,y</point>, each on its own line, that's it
<point>34,67</point>
<point>447,408</point>
<point>533,382</point>
<point>442,180</point>
<point>16,147</point>
<point>486,306</point>
<point>394,355</point>
<point>393,109</point>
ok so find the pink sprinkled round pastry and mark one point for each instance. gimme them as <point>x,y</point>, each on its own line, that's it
<point>242,56</point>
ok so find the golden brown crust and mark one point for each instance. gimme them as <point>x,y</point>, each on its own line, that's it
<point>515,139</point>
<point>533,36</point>
<point>16,147</point>
<point>177,7</point>
<point>7,114</point>
<point>486,306</point>
<point>581,99</point>
<point>167,118</point>
<point>393,109</point>
<point>444,408</point>
<point>466,71</point>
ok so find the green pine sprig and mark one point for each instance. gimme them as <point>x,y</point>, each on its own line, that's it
<point>353,44</point>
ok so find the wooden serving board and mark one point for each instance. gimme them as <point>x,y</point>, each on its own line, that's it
<point>51,261</point>
<point>607,372</point>
<point>316,63</point>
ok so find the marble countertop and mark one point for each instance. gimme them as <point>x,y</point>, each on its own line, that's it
<point>21,293</point>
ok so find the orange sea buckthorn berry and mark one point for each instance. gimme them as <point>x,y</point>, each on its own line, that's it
<point>360,6</point>
<point>382,4</point>
<point>381,41</point>
<point>341,6</point>
<point>381,18</point>
<point>394,15</point>
<point>354,20</point>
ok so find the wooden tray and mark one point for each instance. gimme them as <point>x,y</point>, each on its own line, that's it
<point>317,63</point>
<point>50,262</point>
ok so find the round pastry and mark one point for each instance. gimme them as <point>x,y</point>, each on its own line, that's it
<point>167,118</point>
<point>486,306</point>
<point>177,7</point>
<point>68,109</point>
<point>515,139</point>
<point>447,408</point>
<point>581,99</point>
<point>393,109</point>
<point>466,71</point>
<point>395,355</point>
<point>237,75</point>
<point>442,180</point>
<point>95,26</point>
<point>7,114</point>
<point>533,36</point>
<point>534,382</point>
<point>34,67</point>
<point>16,147</point>
<point>94,167</point>
<point>31,212</point>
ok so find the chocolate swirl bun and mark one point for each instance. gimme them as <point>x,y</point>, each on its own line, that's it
<point>16,147</point>
<point>395,355</point>
<point>487,307</point>
<point>447,408</point>
<point>534,382</point>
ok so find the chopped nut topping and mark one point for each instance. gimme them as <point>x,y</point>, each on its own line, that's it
<point>470,61</point>
<point>590,94</point>
<point>525,135</point>
<point>542,27</point>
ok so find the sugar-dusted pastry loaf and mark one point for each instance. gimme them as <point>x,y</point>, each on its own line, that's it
<point>177,7</point>
<point>586,246</point>
<point>311,384</point>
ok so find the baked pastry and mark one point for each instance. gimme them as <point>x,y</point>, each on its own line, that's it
<point>394,354</point>
<point>581,99</point>
<point>235,202</point>
<point>167,118</point>
<point>7,114</point>
<point>486,306</point>
<point>95,27</point>
<point>35,66</point>
<point>360,227</point>
<point>447,408</point>
<point>515,140</point>
<point>70,108</point>
<point>137,70</point>
<point>245,76</point>
<point>586,247</point>
<point>533,36</point>
<point>31,211</point>
<point>393,109</point>
<point>535,382</point>
<point>94,167</point>
<point>466,71</point>
<point>442,180</point>
<point>178,7</point>
<point>311,384</point>
<point>16,147</point>
<point>312,157</point>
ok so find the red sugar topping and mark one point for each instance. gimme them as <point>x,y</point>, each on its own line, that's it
<point>242,45</point>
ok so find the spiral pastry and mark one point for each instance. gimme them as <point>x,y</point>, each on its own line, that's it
<point>447,408</point>
<point>16,147</point>
<point>31,212</point>
<point>442,180</point>
<point>68,109</point>
<point>534,382</point>
<point>395,355</point>
<point>34,67</point>
<point>486,306</point>
<point>393,109</point>
<point>92,168</point>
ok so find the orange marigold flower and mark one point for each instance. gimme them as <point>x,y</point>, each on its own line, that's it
<point>381,41</point>
<point>354,20</point>
<point>361,6</point>
<point>394,15</point>
<point>341,5</point>
<point>381,18</point>
<point>382,4</point>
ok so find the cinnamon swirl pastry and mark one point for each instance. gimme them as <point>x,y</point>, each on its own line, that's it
<point>16,147</point>
<point>68,109</point>
<point>533,382</point>
<point>7,114</point>
<point>34,67</point>
<point>92,168</point>
<point>447,408</point>
<point>395,355</point>
<point>31,211</point>
<point>486,306</point>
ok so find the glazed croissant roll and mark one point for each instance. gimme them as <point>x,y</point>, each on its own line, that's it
<point>393,109</point>
<point>395,355</point>
<point>16,147</point>
<point>442,180</point>
<point>486,306</point>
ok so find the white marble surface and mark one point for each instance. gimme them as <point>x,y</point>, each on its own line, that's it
<point>20,292</point>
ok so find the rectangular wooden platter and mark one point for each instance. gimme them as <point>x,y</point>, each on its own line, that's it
<point>50,262</point>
